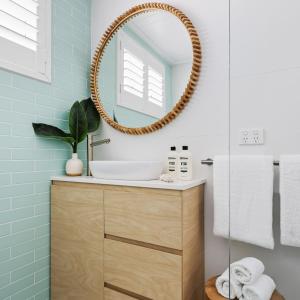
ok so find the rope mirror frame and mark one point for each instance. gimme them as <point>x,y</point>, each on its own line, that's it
<point>193,79</point>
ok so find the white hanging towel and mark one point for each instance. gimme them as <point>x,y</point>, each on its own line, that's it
<point>228,287</point>
<point>290,199</point>
<point>243,198</point>
<point>247,270</point>
<point>262,289</point>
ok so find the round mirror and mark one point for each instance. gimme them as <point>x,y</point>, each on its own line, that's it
<point>146,68</point>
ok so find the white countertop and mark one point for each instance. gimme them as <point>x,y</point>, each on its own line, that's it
<point>155,184</point>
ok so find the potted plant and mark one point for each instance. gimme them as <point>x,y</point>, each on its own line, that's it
<point>83,119</point>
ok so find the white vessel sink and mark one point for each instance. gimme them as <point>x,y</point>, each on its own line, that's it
<point>126,170</point>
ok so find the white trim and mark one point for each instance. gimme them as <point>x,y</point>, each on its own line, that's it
<point>40,65</point>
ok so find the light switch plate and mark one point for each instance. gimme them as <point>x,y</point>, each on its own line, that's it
<point>251,136</point>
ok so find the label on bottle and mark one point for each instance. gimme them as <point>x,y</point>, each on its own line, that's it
<point>184,166</point>
<point>171,164</point>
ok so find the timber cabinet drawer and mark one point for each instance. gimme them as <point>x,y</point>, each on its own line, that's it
<point>146,272</point>
<point>149,218</point>
<point>110,294</point>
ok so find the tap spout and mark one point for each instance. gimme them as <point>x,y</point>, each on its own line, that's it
<point>101,142</point>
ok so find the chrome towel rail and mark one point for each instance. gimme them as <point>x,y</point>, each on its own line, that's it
<point>210,162</point>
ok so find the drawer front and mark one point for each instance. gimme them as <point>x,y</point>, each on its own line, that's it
<point>113,295</point>
<point>146,272</point>
<point>149,218</point>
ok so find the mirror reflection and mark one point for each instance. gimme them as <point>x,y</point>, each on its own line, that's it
<point>145,69</point>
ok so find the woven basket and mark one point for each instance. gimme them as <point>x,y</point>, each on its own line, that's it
<point>212,293</point>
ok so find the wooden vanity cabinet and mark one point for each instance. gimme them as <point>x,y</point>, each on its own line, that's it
<point>121,243</point>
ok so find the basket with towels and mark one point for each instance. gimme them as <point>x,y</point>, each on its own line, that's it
<point>246,281</point>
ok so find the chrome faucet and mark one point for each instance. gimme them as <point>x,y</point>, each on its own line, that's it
<point>105,141</point>
<point>90,145</point>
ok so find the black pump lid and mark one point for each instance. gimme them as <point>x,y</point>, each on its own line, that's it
<point>173,148</point>
<point>185,148</point>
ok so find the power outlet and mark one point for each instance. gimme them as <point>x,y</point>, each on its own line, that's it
<point>253,136</point>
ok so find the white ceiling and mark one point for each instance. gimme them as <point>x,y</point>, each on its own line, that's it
<point>167,35</point>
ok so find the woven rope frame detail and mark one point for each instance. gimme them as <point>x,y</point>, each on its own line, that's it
<point>194,76</point>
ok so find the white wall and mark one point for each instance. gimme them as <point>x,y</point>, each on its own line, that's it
<point>203,125</point>
<point>265,85</point>
<point>180,78</point>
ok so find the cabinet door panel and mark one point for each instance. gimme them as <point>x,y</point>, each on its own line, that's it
<point>76,243</point>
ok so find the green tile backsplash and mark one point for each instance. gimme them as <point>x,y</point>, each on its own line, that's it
<point>27,162</point>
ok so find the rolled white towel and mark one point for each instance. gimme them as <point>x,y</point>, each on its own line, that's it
<point>247,270</point>
<point>224,288</point>
<point>261,289</point>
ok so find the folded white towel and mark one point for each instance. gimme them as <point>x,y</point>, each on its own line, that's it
<point>290,199</point>
<point>166,178</point>
<point>262,289</point>
<point>247,270</point>
<point>245,185</point>
<point>228,288</point>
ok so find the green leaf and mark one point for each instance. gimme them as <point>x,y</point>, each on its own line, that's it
<point>92,115</point>
<point>45,130</point>
<point>114,117</point>
<point>78,123</point>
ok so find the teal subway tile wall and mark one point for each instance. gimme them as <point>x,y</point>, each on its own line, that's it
<point>27,162</point>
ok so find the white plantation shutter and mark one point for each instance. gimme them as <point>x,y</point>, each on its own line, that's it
<point>25,37</point>
<point>19,22</point>
<point>141,78</point>
<point>155,87</point>
<point>133,74</point>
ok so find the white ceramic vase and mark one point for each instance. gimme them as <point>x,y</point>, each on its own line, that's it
<point>74,166</point>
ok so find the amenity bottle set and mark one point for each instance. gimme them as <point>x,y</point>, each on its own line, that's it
<point>180,165</point>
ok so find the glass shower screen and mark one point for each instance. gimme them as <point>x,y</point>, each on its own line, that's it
<point>264,143</point>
